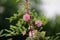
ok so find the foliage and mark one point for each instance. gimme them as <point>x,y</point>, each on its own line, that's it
<point>20,26</point>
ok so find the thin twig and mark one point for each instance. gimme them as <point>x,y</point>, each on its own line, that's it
<point>27,11</point>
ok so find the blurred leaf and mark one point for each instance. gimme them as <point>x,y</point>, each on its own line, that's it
<point>14,27</point>
<point>17,0</point>
<point>47,38</point>
<point>1,32</point>
<point>56,38</point>
<point>41,28</point>
<point>42,34</point>
<point>58,34</point>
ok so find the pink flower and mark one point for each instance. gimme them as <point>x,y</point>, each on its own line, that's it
<point>26,17</point>
<point>30,33</point>
<point>38,23</point>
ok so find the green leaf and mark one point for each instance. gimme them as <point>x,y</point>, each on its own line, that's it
<point>56,38</point>
<point>14,27</point>
<point>42,34</point>
<point>41,28</point>
<point>20,30</point>
<point>17,0</point>
<point>8,30</point>
<point>1,32</point>
<point>47,38</point>
<point>7,35</point>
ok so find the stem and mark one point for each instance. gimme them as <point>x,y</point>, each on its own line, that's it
<point>27,11</point>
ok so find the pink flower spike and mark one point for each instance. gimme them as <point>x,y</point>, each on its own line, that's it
<point>38,23</point>
<point>26,17</point>
<point>30,33</point>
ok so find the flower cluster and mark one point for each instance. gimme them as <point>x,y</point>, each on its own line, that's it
<point>38,23</point>
<point>26,17</point>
